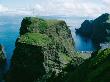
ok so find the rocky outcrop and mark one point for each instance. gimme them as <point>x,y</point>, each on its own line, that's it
<point>43,51</point>
<point>95,69</point>
<point>2,56</point>
<point>98,30</point>
<point>85,29</point>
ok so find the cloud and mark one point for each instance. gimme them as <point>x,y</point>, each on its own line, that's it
<point>39,7</point>
<point>106,1</point>
<point>62,7</point>
<point>14,11</point>
<point>70,7</point>
<point>3,8</point>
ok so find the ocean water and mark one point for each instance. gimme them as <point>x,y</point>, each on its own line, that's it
<point>9,31</point>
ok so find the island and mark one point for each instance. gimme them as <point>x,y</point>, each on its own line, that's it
<point>98,30</point>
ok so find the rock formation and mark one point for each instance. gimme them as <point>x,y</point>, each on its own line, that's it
<point>2,56</point>
<point>43,50</point>
<point>98,30</point>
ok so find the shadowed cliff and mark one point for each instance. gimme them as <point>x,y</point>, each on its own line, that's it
<point>98,30</point>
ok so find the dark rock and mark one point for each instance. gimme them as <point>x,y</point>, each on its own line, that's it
<point>2,56</point>
<point>98,30</point>
<point>86,28</point>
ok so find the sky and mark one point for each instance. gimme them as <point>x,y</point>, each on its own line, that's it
<point>90,8</point>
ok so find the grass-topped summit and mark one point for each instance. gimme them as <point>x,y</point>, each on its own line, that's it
<point>34,24</point>
<point>35,39</point>
<point>43,50</point>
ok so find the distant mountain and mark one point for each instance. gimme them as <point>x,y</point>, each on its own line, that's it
<point>98,30</point>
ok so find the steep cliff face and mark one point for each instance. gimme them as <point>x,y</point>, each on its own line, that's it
<point>43,50</point>
<point>98,30</point>
<point>95,69</point>
<point>2,56</point>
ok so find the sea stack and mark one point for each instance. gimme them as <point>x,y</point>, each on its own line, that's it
<point>43,50</point>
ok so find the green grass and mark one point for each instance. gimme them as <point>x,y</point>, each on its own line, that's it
<point>64,58</point>
<point>35,24</point>
<point>100,57</point>
<point>35,39</point>
<point>51,22</point>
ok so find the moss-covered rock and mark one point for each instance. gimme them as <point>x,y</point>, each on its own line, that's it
<point>2,56</point>
<point>95,69</point>
<point>32,24</point>
<point>43,50</point>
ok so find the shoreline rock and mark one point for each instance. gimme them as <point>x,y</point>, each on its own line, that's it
<point>2,56</point>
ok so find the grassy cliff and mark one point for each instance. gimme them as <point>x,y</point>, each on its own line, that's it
<point>95,69</point>
<point>43,50</point>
